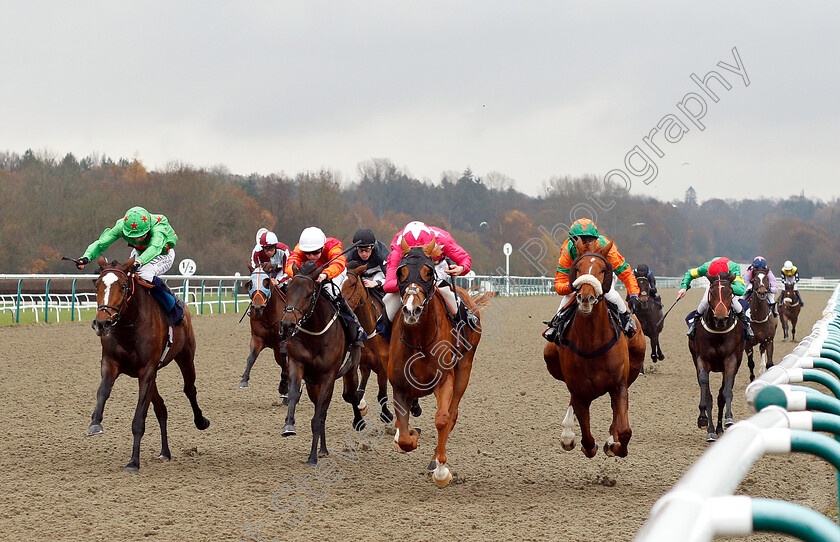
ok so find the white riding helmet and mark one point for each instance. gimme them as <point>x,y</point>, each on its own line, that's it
<point>788,265</point>
<point>259,234</point>
<point>311,239</point>
<point>268,238</point>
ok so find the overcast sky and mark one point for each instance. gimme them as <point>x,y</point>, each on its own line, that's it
<point>529,89</point>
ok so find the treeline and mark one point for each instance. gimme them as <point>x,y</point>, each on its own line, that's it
<point>52,207</point>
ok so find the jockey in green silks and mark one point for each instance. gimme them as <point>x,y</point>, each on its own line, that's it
<point>711,269</point>
<point>152,241</point>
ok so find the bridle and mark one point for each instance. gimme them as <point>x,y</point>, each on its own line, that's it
<point>291,309</point>
<point>359,282</point>
<point>719,282</point>
<point>606,268</point>
<point>115,313</point>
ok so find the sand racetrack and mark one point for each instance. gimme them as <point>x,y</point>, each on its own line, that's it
<point>512,479</point>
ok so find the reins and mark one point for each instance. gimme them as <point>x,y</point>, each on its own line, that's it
<point>128,289</point>
<point>300,321</point>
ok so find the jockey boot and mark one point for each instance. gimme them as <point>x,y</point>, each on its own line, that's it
<point>774,309</point>
<point>799,297</point>
<point>467,316</point>
<point>354,328</point>
<point>691,320</point>
<point>628,324</point>
<point>173,304</point>
<point>550,334</point>
<point>745,322</point>
<point>383,326</point>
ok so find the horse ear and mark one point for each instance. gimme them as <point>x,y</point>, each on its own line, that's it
<point>432,250</point>
<point>295,269</point>
<point>127,265</point>
<point>404,247</point>
<point>103,262</point>
<point>249,285</point>
<point>359,270</point>
<point>573,273</point>
<point>604,250</point>
<point>580,246</point>
<point>608,278</point>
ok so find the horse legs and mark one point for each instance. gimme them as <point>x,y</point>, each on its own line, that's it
<point>443,423</point>
<point>160,413</point>
<point>705,418</point>
<point>768,350</point>
<point>295,371</point>
<point>110,371</point>
<point>750,364</point>
<point>384,414</point>
<point>146,380</point>
<point>322,396</point>
<point>620,431</point>
<point>567,435</point>
<point>405,439</point>
<point>659,355</point>
<point>725,395</point>
<point>281,360</point>
<point>184,359</point>
<point>353,395</point>
<point>587,442</point>
<point>257,345</point>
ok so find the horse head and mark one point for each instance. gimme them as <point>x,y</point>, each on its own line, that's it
<point>644,291</point>
<point>114,289</point>
<point>259,288</point>
<point>720,296</point>
<point>591,274</point>
<point>353,290</point>
<point>301,297</point>
<point>760,283</point>
<point>416,279</point>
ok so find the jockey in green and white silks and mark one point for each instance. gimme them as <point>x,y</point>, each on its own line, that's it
<point>711,269</point>
<point>152,241</point>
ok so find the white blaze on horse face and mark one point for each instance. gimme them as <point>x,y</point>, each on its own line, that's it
<point>108,280</point>
<point>567,436</point>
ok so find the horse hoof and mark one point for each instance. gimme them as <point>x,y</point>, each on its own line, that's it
<point>360,425</point>
<point>431,466</point>
<point>442,476</point>
<point>363,407</point>
<point>415,410</point>
<point>312,462</point>
<point>284,396</point>
<point>129,468</point>
<point>162,457</point>
<point>711,437</point>
<point>702,422</point>
<point>285,401</point>
<point>95,429</point>
<point>568,446</point>
<point>661,357</point>
<point>386,417</point>
<point>288,431</point>
<point>590,453</point>
<point>243,385</point>
<point>397,447</point>
<point>202,424</point>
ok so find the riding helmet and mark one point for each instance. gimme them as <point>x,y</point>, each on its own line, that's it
<point>311,239</point>
<point>364,238</point>
<point>137,222</point>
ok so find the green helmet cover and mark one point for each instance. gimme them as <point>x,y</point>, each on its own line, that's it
<point>137,222</point>
<point>584,226</point>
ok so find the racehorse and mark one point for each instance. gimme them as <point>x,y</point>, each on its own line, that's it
<point>267,305</point>
<point>595,357</point>
<point>374,356</point>
<point>762,321</point>
<point>650,317</point>
<point>132,328</point>
<point>316,345</point>
<point>789,308</point>
<point>429,353</point>
<point>717,347</point>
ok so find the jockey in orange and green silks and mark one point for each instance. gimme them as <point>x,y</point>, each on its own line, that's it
<point>152,241</point>
<point>711,269</point>
<point>587,231</point>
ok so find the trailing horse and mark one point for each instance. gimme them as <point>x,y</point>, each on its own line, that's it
<point>429,353</point>
<point>789,309</point>
<point>762,321</point>
<point>136,341</point>
<point>650,317</point>
<point>594,357</point>
<point>717,347</point>
<point>267,305</point>
<point>316,344</point>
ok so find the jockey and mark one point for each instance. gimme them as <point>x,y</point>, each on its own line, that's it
<point>269,250</point>
<point>152,241</point>
<point>314,246</point>
<point>759,265</point>
<point>643,271</point>
<point>711,269</point>
<point>373,253</point>
<point>418,234</point>
<point>790,270</point>
<point>586,230</point>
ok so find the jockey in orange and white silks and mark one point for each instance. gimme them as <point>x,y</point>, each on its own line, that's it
<point>418,234</point>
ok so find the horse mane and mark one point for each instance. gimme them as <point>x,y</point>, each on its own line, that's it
<point>308,267</point>
<point>359,269</point>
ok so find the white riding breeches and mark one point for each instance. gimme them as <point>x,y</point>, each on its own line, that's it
<point>704,302</point>
<point>156,267</point>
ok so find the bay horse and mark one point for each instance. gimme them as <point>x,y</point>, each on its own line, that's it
<point>762,321</point>
<point>596,358</point>
<point>374,355</point>
<point>267,305</point>
<point>789,308</point>
<point>650,317</point>
<point>132,328</point>
<point>316,344</point>
<point>717,347</point>
<point>428,353</point>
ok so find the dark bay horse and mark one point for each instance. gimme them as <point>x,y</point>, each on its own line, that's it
<point>650,316</point>
<point>428,353</point>
<point>374,356</point>
<point>132,327</point>
<point>718,347</point>
<point>789,308</point>
<point>316,345</point>
<point>267,305</point>
<point>595,358</point>
<point>762,321</point>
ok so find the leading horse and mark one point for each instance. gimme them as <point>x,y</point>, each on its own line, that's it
<point>316,344</point>
<point>762,321</point>
<point>132,328</point>
<point>789,308</point>
<point>429,353</point>
<point>267,305</point>
<point>717,347</point>
<point>595,357</point>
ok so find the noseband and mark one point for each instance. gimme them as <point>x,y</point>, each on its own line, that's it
<point>114,313</point>
<point>606,267</point>
<point>304,316</point>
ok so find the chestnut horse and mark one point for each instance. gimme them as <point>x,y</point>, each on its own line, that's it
<point>762,321</point>
<point>650,316</point>
<point>316,345</point>
<point>789,308</point>
<point>428,354</point>
<point>595,357</point>
<point>374,356</point>
<point>132,327</point>
<point>718,347</point>
<point>267,305</point>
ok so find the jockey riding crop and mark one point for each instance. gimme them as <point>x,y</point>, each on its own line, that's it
<point>666,314</point>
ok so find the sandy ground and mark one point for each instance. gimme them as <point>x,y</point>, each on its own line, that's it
<point>512,479</point>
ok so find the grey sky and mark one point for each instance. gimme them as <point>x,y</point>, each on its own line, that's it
<point>528,89</point>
